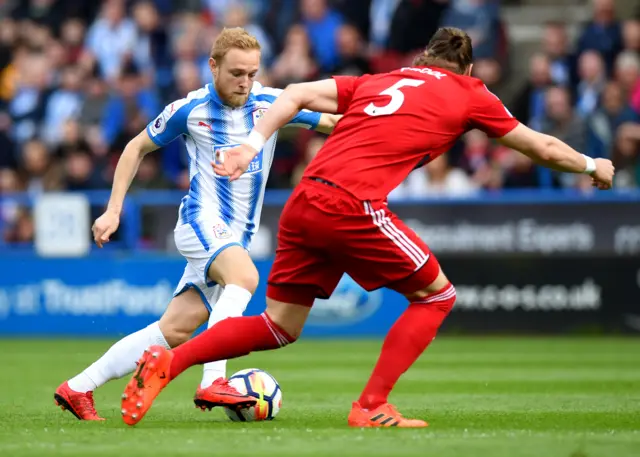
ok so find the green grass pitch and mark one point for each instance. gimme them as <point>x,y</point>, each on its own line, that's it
<point>484,397</point>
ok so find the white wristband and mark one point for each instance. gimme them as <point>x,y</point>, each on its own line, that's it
<point>591,165</point>
<point>256,140</point>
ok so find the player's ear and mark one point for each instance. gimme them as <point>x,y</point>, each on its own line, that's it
<point>213,67</point>
<point>468,72</point>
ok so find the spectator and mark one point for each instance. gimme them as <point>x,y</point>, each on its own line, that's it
<point>154,39</point>
<point>45,12</point>
<point>96,96</point>
<point>564,123</point>
<point>72,138</point>
<point>322,24</point>
<point>7,147</point>
<point>8,38</point>
<point>39,172</point>
<point>9,210</point>
<point>603,33</point>
<point>80,173</point>
<point>63,104</point>
<point>381,14</point>
<point>72,39</point>
<point>626,156</point>
<point>627,73</point>
<point>480,19</point>
<point>279,18</point>
<point>295,63</point>
<point>112,38</point>
<point>237,16</point>
<point>351,53</point>
<point>28,105</point>
<point>254,8</point>
<point>603,124</point>
<point>476,151</point>
<point>519,172</point>
<point>187,79</point>
<point>489,72</point>
<point>437,178</point>
<point>592,80</point>
<point>413,24</point>
<point>555,44</point>
<point>131,97</point>
<point>631,35</point>
<point>21,229</point>
<point>529,105</point>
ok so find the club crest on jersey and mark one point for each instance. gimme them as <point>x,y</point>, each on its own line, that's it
<point>258,114</point>
<point>221,232</point>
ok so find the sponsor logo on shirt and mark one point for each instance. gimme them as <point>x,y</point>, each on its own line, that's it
<point>220,149</point>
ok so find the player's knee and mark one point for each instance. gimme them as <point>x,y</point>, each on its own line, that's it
<point>248,280</point>
<point>175,336</point>
<point>178,328</point>
<point>443,299</point>
<point>246,277</point>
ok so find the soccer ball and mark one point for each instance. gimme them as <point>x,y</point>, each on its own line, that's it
<point>264,387</point>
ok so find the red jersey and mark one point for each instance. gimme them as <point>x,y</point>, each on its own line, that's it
<point>395,121</point>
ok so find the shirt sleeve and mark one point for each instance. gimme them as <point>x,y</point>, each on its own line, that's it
<point>305,118</point>
<point>490,115</point>
<point>170,124</point>
<point>346,88</point>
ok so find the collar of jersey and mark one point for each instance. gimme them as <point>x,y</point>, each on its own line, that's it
<point>216,98</point>
<point>214,95</point>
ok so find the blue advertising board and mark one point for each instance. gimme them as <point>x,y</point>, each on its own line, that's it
<point>117,295</point>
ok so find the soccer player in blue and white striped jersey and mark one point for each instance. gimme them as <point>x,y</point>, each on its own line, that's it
<point>217,218</point>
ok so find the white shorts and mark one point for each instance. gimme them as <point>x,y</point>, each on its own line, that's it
<point>200,242</point>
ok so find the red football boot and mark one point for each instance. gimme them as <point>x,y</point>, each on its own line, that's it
<point>221,393</point>
<point>383,416</point>
<point>79,404</point>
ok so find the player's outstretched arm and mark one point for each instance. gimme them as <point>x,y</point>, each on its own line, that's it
<point>327,122</point>
<point>320,96</point>
<point>126,169</point>
<point>555,154</point>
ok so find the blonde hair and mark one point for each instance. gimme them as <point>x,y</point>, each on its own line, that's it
<point>235,37</point>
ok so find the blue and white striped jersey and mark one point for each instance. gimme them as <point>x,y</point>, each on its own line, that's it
<point>208,126</point>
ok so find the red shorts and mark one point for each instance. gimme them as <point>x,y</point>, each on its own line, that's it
<point>325,232</point>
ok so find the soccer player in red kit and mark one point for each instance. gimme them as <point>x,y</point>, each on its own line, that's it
<point>337,220</point>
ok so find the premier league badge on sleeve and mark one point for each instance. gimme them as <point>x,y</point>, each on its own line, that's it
<point>159,125</point>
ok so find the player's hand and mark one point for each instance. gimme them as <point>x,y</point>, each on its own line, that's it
<point>104,227</point>
<point>234,162</point>
<point>603,176</point>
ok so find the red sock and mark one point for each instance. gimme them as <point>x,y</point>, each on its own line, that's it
<point>229,338</point>
<point>407,339</point>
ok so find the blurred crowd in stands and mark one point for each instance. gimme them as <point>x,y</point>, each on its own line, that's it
<point>78,79</point>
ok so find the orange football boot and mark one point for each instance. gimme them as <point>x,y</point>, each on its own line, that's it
<point>151,376</point>
<point>221,393</point>
<point>383,416</point>
<point>79,404</point>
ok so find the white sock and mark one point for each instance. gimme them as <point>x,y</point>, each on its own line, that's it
<point>119,360</point>
<point>232,303</point>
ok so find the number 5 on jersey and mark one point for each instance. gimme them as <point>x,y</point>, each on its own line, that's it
<point>397,98</point>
